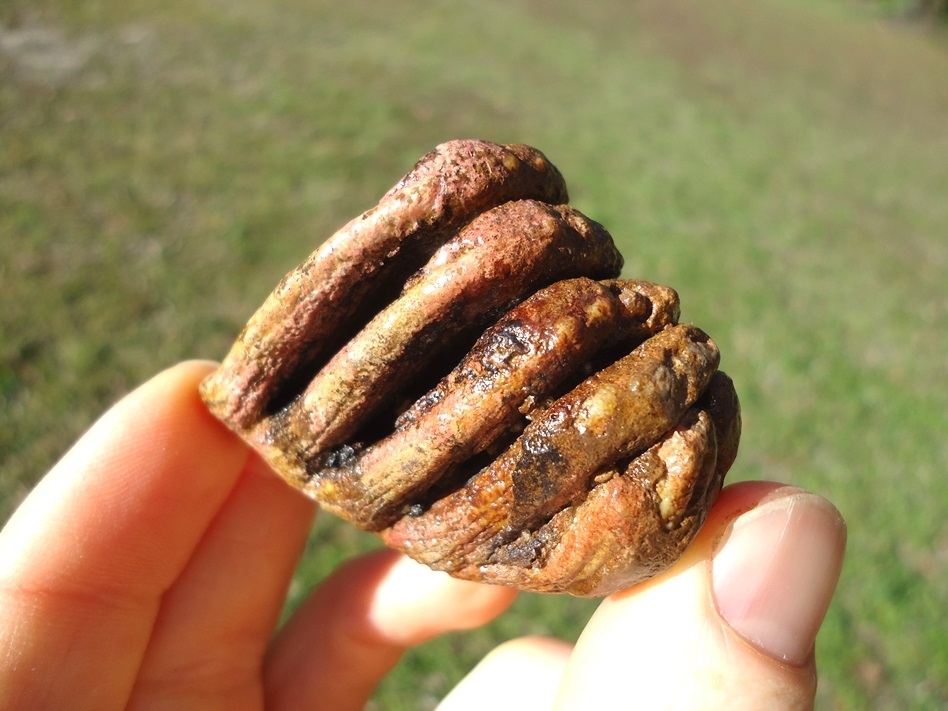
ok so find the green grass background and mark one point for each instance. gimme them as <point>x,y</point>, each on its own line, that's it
<point>784,166</point>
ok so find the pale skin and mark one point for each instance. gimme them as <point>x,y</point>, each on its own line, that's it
<point>147,571</point>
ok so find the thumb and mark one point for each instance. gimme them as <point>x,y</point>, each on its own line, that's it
<point>732,625</point>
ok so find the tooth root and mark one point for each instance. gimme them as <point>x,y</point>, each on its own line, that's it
<point>487,268</point>
<point>299,322</point>
<point>524,357</point>
<point>494,474</point>
<point>551,465</point>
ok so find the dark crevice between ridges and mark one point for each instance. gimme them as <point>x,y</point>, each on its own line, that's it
<point>375,293</point>
<point>385,422</point>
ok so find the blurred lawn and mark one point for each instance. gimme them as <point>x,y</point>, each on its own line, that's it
<point>785,167</point>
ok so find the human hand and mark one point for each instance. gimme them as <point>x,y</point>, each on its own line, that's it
<point>148,569</point>
<point>729,627</point>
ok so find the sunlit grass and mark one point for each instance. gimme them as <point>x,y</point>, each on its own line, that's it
<point>785,168</point>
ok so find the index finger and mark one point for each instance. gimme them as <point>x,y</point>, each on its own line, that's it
<point>86,558</point>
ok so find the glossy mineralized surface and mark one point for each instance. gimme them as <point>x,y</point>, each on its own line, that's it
<point>459,370</point>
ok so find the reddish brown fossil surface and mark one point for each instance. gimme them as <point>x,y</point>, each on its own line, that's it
<point>460,370</point>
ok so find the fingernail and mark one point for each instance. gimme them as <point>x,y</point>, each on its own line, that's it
<point>776,570</point>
